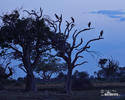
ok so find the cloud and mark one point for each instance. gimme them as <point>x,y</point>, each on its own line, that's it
<point>115,14</point>
<point>122,19</point>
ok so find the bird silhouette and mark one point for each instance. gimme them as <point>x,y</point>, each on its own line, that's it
<point>101,33</point>
<point>89,24</point>
<point>56,16</point>
<point>61,17</point>
<point>72,19</point>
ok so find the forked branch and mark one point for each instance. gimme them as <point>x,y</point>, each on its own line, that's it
<point>33,12</point>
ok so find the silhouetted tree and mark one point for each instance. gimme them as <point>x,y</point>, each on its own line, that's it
<point>61,76</point>
<point>80,75</point>
<point>121,74</point>
<point>49,66</point>
<point>109,69</point>
<point>70,52</point>
<point>81,80</point>
<point>25,38</point>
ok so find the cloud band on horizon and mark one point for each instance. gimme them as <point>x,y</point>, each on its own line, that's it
<point>115,14</point>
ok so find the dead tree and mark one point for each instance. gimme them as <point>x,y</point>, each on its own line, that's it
<point>70,52</point>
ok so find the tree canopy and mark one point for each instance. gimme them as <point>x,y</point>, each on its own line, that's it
<point>26,38</point>
<point>49,66</point>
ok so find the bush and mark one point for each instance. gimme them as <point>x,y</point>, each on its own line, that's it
<point>81,84</point>
<point>81,81</point>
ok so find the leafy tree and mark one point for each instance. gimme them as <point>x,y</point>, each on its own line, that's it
<point>61,76</point>
<point>80,75</point>
<point>81,80</point>
<point>109,69</point>
<point>49,66</point>
<point>121,74</point>
<point>25,38</point>
<point>70,52</point>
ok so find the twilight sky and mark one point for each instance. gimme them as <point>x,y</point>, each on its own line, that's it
<point>108,15</point>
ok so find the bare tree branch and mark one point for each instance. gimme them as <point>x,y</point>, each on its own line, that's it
<point>23,69</point>
<point>75,35</point>
<point>83,30</point>
<point>75,59</point>
<point>60,23</point>
<point>7,65</point>
<point>92,41</point>
<point>86,45</point>
<point>80,63</point>
<point>41,13</point>
<point>69,29</point>
<point>79,44</point>
<point>35,13</point>
<point>15,49</point>
<point>10,73</point>
<point>51,24</point>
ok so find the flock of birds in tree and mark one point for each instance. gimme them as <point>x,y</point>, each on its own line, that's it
<point>89,24</point>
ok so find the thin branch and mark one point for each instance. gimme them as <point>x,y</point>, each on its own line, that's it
<point>79,44</point>
<point>41,13</point>
<point>74,40</point>
<point>60,23</point>
<point>69,30</point>
<point>67,27</point>
<point>63,56</point>
<point>19,52</point>
<point>86,29</point>
<point>10,73</point>
<point>23,69</point>
<point>75,59</point>
<point>80,63</point>
<point>7,65</point>
<point>35,13</point>
<point>30,13</point>
<point>86,46</point>
<point>75,35</point>
<point>92,53</point>
<point>92,41</point>
<point>51,24</point>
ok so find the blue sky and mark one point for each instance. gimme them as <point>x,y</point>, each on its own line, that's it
<point>108,15</point>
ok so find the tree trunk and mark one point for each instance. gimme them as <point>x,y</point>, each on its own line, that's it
<point>69,82</point>
<point>30,80</point>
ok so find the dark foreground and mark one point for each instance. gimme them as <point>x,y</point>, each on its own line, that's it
<point>48,95</point>
<point>18,93</point>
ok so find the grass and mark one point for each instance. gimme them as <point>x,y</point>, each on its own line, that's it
<point>54,92</point>
<point>17,95</point>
